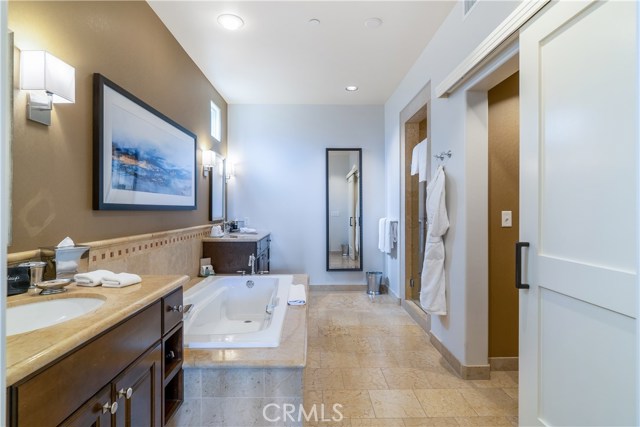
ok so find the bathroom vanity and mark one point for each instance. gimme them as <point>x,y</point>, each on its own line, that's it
<point>230,254</point>
<point>118,365</point>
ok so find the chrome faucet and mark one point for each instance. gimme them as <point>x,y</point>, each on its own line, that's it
<point>252,263</point>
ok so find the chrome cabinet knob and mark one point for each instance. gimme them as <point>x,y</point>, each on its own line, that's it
<point>177,308</point>
<point>110,407</point>
<point>125,393</point>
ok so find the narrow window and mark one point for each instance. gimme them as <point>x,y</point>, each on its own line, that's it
<point>468,4</point>
<point>216,122</point>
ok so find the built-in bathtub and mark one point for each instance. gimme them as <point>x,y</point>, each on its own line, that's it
<point>236,311</point>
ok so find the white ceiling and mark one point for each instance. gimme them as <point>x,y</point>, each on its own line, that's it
<point>277,57</point>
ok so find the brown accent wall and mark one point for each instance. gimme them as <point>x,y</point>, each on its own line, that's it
<point>504,147</point>
<point>52,169</point>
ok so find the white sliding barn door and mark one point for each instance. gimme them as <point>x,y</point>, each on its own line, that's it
<point>579,213</point>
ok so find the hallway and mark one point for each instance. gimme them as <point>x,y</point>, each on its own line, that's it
<point>379,364</point>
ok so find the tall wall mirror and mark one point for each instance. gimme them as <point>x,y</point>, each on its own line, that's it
<point>217,190</point>
<point>344,209</point>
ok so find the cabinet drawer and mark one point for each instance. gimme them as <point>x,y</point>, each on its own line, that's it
<point>52,395</point>
<point>171,310</point>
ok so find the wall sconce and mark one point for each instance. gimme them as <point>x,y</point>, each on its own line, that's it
<point>231,171</point>
<point>49,80</point>
<point>208,161</point>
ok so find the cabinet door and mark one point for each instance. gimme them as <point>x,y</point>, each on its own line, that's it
<point>138,392</point>
<point>96,412</point>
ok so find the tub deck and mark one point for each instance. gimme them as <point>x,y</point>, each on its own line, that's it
<point>292,352</point>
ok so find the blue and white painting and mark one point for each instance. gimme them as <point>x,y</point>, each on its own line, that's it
<point>147,158</point>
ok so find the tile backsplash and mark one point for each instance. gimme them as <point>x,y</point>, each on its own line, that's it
<point>167,252</point>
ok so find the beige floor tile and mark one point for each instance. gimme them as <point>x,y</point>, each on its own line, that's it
<point>396,404</point>
<point>406,343</point>
<point>321,344</point>
<point>319,379</point>
<point>445,380</point>
<point>499,379</point>
<point>444,403</point>
<point>375,422</point>
<point>490,402</point>
<point>512,392</point>
<point>334,359</point>
<point>406,378</point>
<point>363,379</point>
<point>332,331</point>
<point>376,360</point>
<point>483,421</point>
<point>312,397</point>
<point>430,422</point>
<point>356,344</point>
<point>355,403</point>
<point>513,375</point>
<point>417,359</point>
<point>514,421</point>
<point>345,422</point>
<point>313,359</point>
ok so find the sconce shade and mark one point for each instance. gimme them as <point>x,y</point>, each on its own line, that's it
<point>208,158</point>
<point>41,71</point>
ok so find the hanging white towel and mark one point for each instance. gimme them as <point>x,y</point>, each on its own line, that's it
<point>381,238</point>
<point>419,160</point>
<point>432,294</point>
<point>388,238</point>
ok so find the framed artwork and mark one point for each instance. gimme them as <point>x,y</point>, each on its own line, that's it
<point>142,160</point>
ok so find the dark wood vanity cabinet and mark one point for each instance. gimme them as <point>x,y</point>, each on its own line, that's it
<point>119,378</point>
<point>230,256</point>
<point>173,352</point>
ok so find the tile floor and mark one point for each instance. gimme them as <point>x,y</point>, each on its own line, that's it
<point>373,359</point>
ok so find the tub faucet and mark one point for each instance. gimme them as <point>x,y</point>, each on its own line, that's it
<point>252,263</point>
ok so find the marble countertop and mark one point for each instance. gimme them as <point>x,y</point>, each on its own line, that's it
<point>292,352</point>
<point>31,351</point>
<point>238,237</point>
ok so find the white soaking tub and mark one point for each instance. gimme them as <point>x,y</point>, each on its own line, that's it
<point>236,311</point>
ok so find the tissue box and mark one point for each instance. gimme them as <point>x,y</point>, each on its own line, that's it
<point>62,262</point>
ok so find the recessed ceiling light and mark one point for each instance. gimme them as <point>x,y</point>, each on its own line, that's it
<point>351,88</point>
<point>230,22</point>
<point>372,22</point>
<point>314,21</point>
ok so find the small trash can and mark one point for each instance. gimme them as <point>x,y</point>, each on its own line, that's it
<point>345,250</point>
<point>373,282</point>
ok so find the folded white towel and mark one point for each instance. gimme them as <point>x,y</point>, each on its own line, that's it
<point>248,230</point>
<point>91,278</point>
<point>297,295</point>
<point>120,280</point>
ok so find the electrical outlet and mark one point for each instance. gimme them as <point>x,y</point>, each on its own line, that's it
<point>506,219</point>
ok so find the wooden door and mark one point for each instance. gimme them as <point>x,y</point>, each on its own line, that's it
<point>579,214</point>
<point>96,412</point>
<point>138,392</point>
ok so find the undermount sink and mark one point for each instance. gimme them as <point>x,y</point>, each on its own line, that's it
<point>41,314</point>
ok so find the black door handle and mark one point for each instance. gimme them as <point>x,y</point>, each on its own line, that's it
<point>519,246</point>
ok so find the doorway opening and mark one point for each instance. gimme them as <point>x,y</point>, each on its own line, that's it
<point>416,130</point>
<point>503,221</point>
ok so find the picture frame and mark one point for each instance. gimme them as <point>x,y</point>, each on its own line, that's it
<point>142,160</point>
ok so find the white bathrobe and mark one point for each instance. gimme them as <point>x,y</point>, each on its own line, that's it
<point>432,295</point>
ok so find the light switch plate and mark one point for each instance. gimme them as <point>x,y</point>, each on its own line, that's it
<point>506,219</point>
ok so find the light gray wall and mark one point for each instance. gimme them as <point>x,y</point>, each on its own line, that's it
<point>464,330</point>
<point>279,152</point>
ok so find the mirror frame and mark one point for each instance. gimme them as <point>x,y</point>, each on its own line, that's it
<point>219,160</point>
<point>358,220</point>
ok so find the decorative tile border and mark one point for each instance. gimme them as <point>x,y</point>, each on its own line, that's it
<point>122,248</point>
